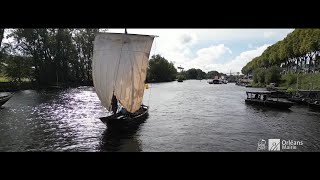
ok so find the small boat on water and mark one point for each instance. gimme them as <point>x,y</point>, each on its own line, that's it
<point>268,99</point>
<point>4,99</point>
<point>180,79</point>
<point>119,70</point>
<point>215,81</point>
<point>125,119</point>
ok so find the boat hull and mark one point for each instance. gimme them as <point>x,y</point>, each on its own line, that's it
<point>4,99</point>
<point>301,101</point>
<point>314,106</point>
<point>121,120</point>
<point>268,103</point>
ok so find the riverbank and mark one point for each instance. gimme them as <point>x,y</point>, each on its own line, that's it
<point>15,86</point>
<point>300,81</point>
<point>293,82</point>
<point>11,86</point>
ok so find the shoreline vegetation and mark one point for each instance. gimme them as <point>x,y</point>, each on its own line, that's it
<point>53,57</point>
<point>40,58</point>
<point>159,70</point>
<point>292,63</point>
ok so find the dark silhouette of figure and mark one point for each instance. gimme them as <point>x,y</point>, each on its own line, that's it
<point>264,97</point>
<point>114,104</point>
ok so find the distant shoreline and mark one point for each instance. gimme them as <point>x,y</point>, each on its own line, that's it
<point>14,86</point>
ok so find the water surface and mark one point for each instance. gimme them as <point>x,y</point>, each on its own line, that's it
<point>188,116</point>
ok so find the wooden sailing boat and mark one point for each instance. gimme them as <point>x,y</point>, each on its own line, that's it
<point>120,63</point>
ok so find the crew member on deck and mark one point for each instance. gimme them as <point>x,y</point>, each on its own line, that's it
<point>114,104</point>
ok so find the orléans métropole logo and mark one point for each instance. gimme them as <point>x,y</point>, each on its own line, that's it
<point>278,144</point>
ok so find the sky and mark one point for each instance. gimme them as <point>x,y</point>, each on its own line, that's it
<point>222,50</point>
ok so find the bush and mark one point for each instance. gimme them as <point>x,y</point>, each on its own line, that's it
<point>259,75</point>
<point>272,75</point>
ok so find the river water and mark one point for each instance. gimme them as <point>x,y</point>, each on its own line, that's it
<point>188,116</point>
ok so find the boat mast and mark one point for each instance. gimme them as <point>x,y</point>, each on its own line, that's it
<point>114,98</point>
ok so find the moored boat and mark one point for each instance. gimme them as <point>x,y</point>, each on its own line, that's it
<point>267,98</point>
<point>305,97</point>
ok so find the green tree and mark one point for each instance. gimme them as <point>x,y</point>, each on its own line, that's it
<point>272,75</point>
<point>294,53</point>
<point>160,70</point>
<point>1,49</point>
<point>18,67</point>
<point>192,73</point>
<point>84,45</point>
<point>57,54</point>
<point>212,74</point>
<point>259,75</point>
<point>201,74</point>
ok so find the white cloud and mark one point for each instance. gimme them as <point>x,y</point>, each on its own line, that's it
<point>207,56</point>
<point>213,51</point>
<point>238,62</point>
<point>187,38</point>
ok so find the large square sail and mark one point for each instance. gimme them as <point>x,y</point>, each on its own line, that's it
<point>120,63</point>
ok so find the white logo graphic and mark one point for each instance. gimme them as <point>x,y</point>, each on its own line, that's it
<point>274,145</point>
<point>261,145</point>
<point>291,144</point>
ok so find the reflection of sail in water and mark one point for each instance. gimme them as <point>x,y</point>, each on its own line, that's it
<point>114,140</point>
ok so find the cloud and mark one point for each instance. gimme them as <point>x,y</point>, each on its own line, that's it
<point>207,56</point>
<point>174,41</point>
<point>186,38</point>
<point>213,51</point>
<point>236,64</point>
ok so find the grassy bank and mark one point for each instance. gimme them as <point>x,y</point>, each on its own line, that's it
<point>3,78</point>
<point>305,81</point>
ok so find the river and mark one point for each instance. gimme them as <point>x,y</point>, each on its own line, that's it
<point>188,116</point>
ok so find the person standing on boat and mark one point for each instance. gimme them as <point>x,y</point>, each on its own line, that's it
<point>114,104</point>
<point>114,101</point>
<point>123,111</point>
<point>264,97</point>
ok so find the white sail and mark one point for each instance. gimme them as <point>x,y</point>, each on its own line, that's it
<point>120,63</point>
